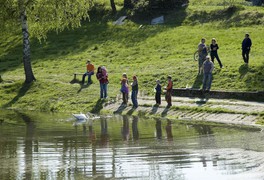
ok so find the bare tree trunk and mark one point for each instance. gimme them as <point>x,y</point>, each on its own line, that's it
<point>113,6</point>
<point>26,49</point>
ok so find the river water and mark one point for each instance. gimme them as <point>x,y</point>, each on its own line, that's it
<point>55,146</point>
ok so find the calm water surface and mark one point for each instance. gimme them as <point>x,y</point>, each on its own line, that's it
<point>55,146</point>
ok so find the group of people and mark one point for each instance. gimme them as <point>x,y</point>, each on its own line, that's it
<point>102,77</point>
<point>134,86</point>
<point>206,62</point>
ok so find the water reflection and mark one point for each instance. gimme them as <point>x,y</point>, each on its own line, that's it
<point>135,128</point>
<point>169,131</point>
<point>125,128</point>
<point>158,129</point>
<point>49,147</point>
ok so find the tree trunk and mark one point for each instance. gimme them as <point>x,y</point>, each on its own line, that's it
<point>26,49</point>
<point>113,6</point>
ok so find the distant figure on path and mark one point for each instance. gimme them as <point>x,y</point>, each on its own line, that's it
<point>89,72</point>
<point>169,92</point>
<point>202,51</point>
<point>208,67</point>
<point>214,47</point>
<point>102,77</point>
<point>134,93</point>
<point>158,92</point>
<point>246,45</point>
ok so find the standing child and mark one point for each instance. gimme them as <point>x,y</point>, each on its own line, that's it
<point>134,93</point>
<point>158,92</point>
<point>124,75</point>
<point>103,80</point>
<point>124,90</point>
<point>169,92</point>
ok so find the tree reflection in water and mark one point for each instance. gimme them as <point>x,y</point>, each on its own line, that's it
<point>58,150</point>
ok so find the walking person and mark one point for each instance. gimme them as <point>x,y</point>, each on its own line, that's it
<point>134,93</point>
<point>158,92</point>
<point>213,53</point>
<point>208,67</point>
<point>102,77</point>
<point>89,72</point>
<point>202,51</point>
<point>246,45</point>
<point>169,92</point>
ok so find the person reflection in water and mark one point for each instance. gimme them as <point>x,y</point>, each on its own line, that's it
<point>125,128</point>
<point>168,131</point>
<point>135,128</point>
<point>158,129</point>
<point>91,134</point>
<point>104,133</point>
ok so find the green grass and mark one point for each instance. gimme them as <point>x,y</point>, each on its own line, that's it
<point>151,52</point>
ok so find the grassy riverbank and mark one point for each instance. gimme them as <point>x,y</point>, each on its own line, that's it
<point>151,52</point>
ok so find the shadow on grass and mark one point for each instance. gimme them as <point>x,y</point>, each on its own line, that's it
<point>98,106</point>
<point>22,91</point>
<point>120,109</point>
<point>83,86</point>
<point>243,70</point>
<point>165,112</point>
<point>130,112</point>
<point>154,109</point>
<point>198,82</point>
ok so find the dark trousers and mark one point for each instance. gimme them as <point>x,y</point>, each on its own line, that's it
<point>168,97</point>
<point>134,98</point>
<point>125,97</point>
<point>215,55</point>
<point>89,74</point>
<point>245,55</point>
<point>158,97</point>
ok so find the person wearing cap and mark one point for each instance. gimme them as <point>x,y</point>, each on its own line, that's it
<point>89,72</point>
<point>169,92</point>
<point>158,92</point>
<point>208,67</point>
<point>246,45</point>
<point>134,92</point>
<point>202,51</point>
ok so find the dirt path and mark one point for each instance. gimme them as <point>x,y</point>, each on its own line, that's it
<point>195,109</point>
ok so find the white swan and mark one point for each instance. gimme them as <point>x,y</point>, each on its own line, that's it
<point>86,116</point>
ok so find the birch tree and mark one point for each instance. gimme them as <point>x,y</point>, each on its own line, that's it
<point>37,18</point>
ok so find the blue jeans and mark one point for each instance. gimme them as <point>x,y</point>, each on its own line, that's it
<point>207,81</point>
<point>103,90</point>
<point>134,98</point>
<point>89,74</point>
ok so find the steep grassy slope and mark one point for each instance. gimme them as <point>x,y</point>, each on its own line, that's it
<point>150,52</point>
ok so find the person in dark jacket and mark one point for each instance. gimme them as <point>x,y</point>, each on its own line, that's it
<point>134,93</point>
<point>213,53</point>
<point>246,45</point>
<point>158,92</point>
